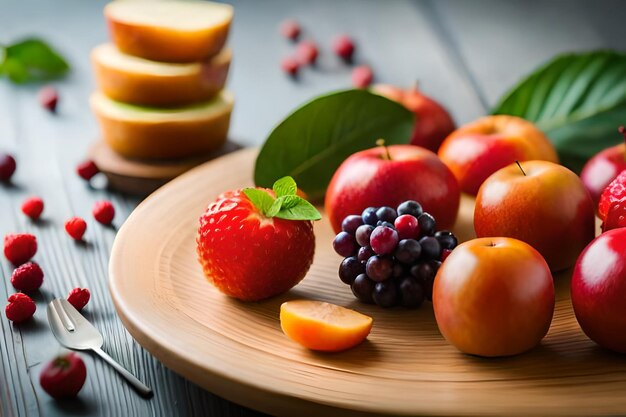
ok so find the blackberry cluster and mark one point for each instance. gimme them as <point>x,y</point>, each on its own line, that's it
<point>392,255</point>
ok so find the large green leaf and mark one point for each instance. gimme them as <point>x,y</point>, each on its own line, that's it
<point>31,60</point>
<point>578,100</point>
<point>311,143</point>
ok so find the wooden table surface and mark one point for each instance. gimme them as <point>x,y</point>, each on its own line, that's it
<point>464,53</point>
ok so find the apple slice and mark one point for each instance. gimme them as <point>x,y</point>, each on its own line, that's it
<point>169,30</point>
<point>134,80</point>
<point>156,133</point>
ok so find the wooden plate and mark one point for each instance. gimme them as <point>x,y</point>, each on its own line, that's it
<point>405,367</point>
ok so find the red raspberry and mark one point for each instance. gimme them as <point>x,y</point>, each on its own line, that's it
<point>290,66</point>
<point>407,227</point>
<point>307,52</point>
<point>343,46</point>
<point>103,212</point>
<point>615,192</point>
<point>7,166</point>
<point>616,216</point>
<point>20,308</point>
<point>27,277</point>
<point>290,29</point>
<point>79,298</point>
<point>48,98</point>
<point>75,227</point>
<point>19,247</point>
<point>362,76</point>
<point>33,207</point>
<point>87,169</point>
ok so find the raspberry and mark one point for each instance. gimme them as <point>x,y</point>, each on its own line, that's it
<point>48,98</point>
<point>27,277</point>
<point>79,298</point>
<point>615,192</point>
<point>87,169</point>
<point>20,308</point>
<point>33,207</point>
<point>290,66</point>
<point>7,166</point>
<point>290,29</point>
<point>75,227</point>
<point>19,247</point>
<point>103,212</point>
<point>343,46</point>
<point>362,76</point>
<point>307,52</point>
<point>615,217</point>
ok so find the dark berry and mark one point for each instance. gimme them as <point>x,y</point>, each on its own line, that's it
<point>431,248</point>
<point>423,272</point>
<point>363,234</point>
<point>398,271</point>
<point>290,66</point>
<point>87,170</point>
<point>7,166</point>
<point>384,240</point>
<point>427,224</point>
<point>351,223</point>
<point>407,227</point>
<point>446,239</point>
<point>386,224</point>
<point>345,244</point>
<point>410,207</point>
<point>386,214</point>
<point>385,294</point>
<point>365,253</point>
<point>444,254</point>
<point>290,29</point>
<point>411,292</point>
<point>362,288</point>
<point>408,251</point>
<point>343,46</point>
<point>379,268</point>
<point>350,268</point>
<point>307,52</point>
<point>369,216</point>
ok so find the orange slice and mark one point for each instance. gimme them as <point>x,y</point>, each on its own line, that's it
<point>323,326</point>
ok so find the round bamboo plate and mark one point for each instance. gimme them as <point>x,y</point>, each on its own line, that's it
<point>238,351</point>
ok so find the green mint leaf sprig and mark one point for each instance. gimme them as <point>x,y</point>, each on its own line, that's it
<point>31,60</point>
<point>287,205</point>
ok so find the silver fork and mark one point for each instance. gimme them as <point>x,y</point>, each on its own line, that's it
<point>73,331</point>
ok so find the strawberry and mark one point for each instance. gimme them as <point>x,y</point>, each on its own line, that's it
<point>64,376</point>
<point>19,247</point>
<point>256,243</point>
<point>615,192</point>
<point>615,217</point>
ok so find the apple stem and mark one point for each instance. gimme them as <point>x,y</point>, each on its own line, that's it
<point>387,155</point>
<point>622,130</point>
<point>520,167</point>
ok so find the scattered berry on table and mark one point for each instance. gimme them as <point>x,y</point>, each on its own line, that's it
<point>87,169</point>
<point>7,166</point>
<point>307,52</point>
<point>343,46</point>
<point>362,76</point>
<point>20,307</point>
<point>64,376</point>
<point>27,277</point>
<point>395,262</point>
<point>290,66</point>
<point>79,297</point>
<point>103,212</point>
<point>33,207</point>
<point>49,98</point>
<point>19,247</point>
<point>75,227</point>
<point>290,29</point>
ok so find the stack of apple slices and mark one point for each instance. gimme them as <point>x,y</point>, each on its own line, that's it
<point>161,81</point>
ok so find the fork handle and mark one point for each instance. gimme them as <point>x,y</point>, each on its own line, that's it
<point>139,386</point>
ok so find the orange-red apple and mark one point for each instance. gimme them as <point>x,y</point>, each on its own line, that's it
<point>546,205</point>
<point>433,122</point>
<point>387,176</point>
<point>494,297</point>
<point>476,150</point>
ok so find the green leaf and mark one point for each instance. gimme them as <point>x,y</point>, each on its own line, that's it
<point>285,186</point>
<point>311,143</point>
<point>261,199</point>
<point>275,208</point>
<point>32,60</point>
<point>578,100</point>
<point>296,208</point>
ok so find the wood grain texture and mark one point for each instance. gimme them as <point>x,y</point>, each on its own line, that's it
<point>238,350</point>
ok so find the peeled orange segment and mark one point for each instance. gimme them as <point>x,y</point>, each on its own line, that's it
<point>169,30</point>
<point>135,80</point>
<point>156,133</point>
<point>323,326</point>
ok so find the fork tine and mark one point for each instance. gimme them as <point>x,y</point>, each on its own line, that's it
<point>63,315</point>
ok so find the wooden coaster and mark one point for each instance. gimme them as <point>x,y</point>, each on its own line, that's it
<point>140,177</point>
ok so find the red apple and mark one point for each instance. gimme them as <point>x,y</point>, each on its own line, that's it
<point>433,122</point>
<point>475,151</point>
<point>494,297</point>
<point>546,205</point>
<point>600,170</point>
<point>387,176</point>
<point>599,290</point>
